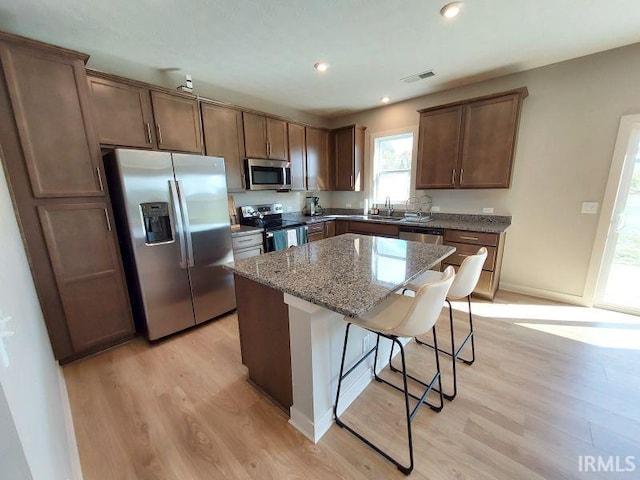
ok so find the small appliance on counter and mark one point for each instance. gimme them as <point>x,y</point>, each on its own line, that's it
<point>312,207</point>
<point>278,233</point>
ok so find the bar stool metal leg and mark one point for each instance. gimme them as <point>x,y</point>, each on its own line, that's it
<point>410,413</point>
<point>455,352</point>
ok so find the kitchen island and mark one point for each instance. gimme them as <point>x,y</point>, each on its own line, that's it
<point>291,309</point>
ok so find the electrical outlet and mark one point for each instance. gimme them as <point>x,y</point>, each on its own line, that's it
<point>590,208</point>
<point>288,208</point>
<point>487,210</point>
<point>348,205</point>
<point>435,208</point>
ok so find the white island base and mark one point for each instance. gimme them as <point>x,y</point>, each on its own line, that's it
<point>317,339</point>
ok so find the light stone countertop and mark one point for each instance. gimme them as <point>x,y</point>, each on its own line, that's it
<point>349,274</point>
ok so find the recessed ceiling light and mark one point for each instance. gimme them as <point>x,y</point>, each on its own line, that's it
<point>321,66</point>
<point>451,10</point>
<point>385,99</point>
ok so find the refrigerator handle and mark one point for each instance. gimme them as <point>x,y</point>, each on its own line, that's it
<point>178,222</point>
<point>187,228</point>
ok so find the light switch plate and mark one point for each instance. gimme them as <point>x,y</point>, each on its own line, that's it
<point>435,208</point>
<point>487,210</point>
<point>590,207</point>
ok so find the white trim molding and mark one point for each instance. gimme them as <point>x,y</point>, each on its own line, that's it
<point>540,293</point>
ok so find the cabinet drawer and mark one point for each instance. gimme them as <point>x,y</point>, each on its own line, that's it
<point>247,252</point>
<point>476,238</point>
<point>464,250</point>
<point>245,241</point>
<point>314,237</point>
<point>315,228</point>
<point>374,229</point>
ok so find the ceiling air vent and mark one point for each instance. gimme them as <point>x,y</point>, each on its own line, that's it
<point>418,76</point>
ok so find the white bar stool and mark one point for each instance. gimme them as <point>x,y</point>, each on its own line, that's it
<point>401,316</point>
<point>463,285</point>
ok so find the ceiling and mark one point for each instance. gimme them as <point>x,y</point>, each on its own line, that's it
<point>267,48</point>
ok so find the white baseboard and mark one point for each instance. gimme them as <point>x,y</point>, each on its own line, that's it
<point>72,445</point>
<point>546,294</point>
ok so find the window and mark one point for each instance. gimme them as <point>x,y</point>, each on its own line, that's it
<point>392,167</point>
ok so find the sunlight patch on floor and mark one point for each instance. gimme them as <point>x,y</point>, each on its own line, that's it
<point>606,337</point>
<point>558,313</point>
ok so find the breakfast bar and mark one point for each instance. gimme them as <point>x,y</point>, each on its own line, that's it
<point>291,309</point>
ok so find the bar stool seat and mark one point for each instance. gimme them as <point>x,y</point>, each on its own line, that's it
<point>401,316</point>
<point>463,285</point>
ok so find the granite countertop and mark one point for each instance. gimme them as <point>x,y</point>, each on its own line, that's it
<point>451,221</point>
<point>245,230</point>
<point>349,274</point>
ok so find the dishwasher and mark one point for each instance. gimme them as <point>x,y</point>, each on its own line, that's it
<point>430,235</point>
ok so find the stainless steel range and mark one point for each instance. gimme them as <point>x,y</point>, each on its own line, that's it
<point>279,232</point>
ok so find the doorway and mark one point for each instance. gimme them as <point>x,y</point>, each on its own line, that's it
<point>620,269</point>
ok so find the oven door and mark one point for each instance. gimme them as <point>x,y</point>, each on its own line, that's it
<point>268,174</point>
<point>285,238</point>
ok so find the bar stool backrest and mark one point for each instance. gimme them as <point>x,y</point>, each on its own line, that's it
<point>426,307</point>
<point>468,275</point>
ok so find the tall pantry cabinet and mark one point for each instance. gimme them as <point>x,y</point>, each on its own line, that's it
<point>51,157</point>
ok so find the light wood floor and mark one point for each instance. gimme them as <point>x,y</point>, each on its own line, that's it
<point>548,386</point>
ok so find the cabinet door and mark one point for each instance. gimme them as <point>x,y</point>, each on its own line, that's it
<point>319,173</point>
<point>490,129</point>
<point>50,99</point>
<point>255,135</point>
<point>277,139</point>
<point>223,138</point>
<point>297,156</point>
<point>177,123</point>
<point>122,113</point>
<point>438,148</point>
<point>88,272</point>
<point>343,144</point>
<point>330,229</point>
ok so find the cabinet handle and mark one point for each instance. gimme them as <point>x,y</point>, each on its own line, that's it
<point>149,133</point>
<point>100,179</point>
<point>159,134</point>
<point>453,176</point>
<point>351,181</point>
<point>106,215</point>
<point>462,255</point>
<point>468,238</point>
<point>461,175</point>
<point>268,149</point>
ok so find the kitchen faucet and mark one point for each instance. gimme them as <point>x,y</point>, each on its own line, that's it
<point>388,206</point>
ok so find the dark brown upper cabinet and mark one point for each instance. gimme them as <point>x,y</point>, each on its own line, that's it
<point>297,156</point>
<point>223,137</point>
<point>439,138</point>
<point>319,171</point>
<point>469,144</point>
<point>265,137</point>
<point>177,122</point>
<point>122,113</point>
<point>348,158</point>
<point>88,272</point>
<point>50,103</point>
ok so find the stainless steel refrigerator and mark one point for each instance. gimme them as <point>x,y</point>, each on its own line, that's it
<point>173,224</point>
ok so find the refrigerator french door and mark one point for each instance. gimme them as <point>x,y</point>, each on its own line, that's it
<point>174,229</point>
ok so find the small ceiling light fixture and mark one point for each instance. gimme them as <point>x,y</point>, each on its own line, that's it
<point>385,99</point>
<point>321,66</point>
<point>451,10</point>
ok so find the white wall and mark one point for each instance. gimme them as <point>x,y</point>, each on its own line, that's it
<point>29,375</point>
<point>567,133</point>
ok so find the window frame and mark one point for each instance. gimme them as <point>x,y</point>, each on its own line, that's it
<point>371,145</point>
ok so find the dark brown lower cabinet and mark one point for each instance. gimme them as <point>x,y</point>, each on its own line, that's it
<point>263,321</point>
<point>88,273</point>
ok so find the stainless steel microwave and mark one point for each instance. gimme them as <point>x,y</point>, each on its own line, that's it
<point>267,174</point>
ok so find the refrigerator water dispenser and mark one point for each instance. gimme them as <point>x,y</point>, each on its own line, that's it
<point>157,225</point>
